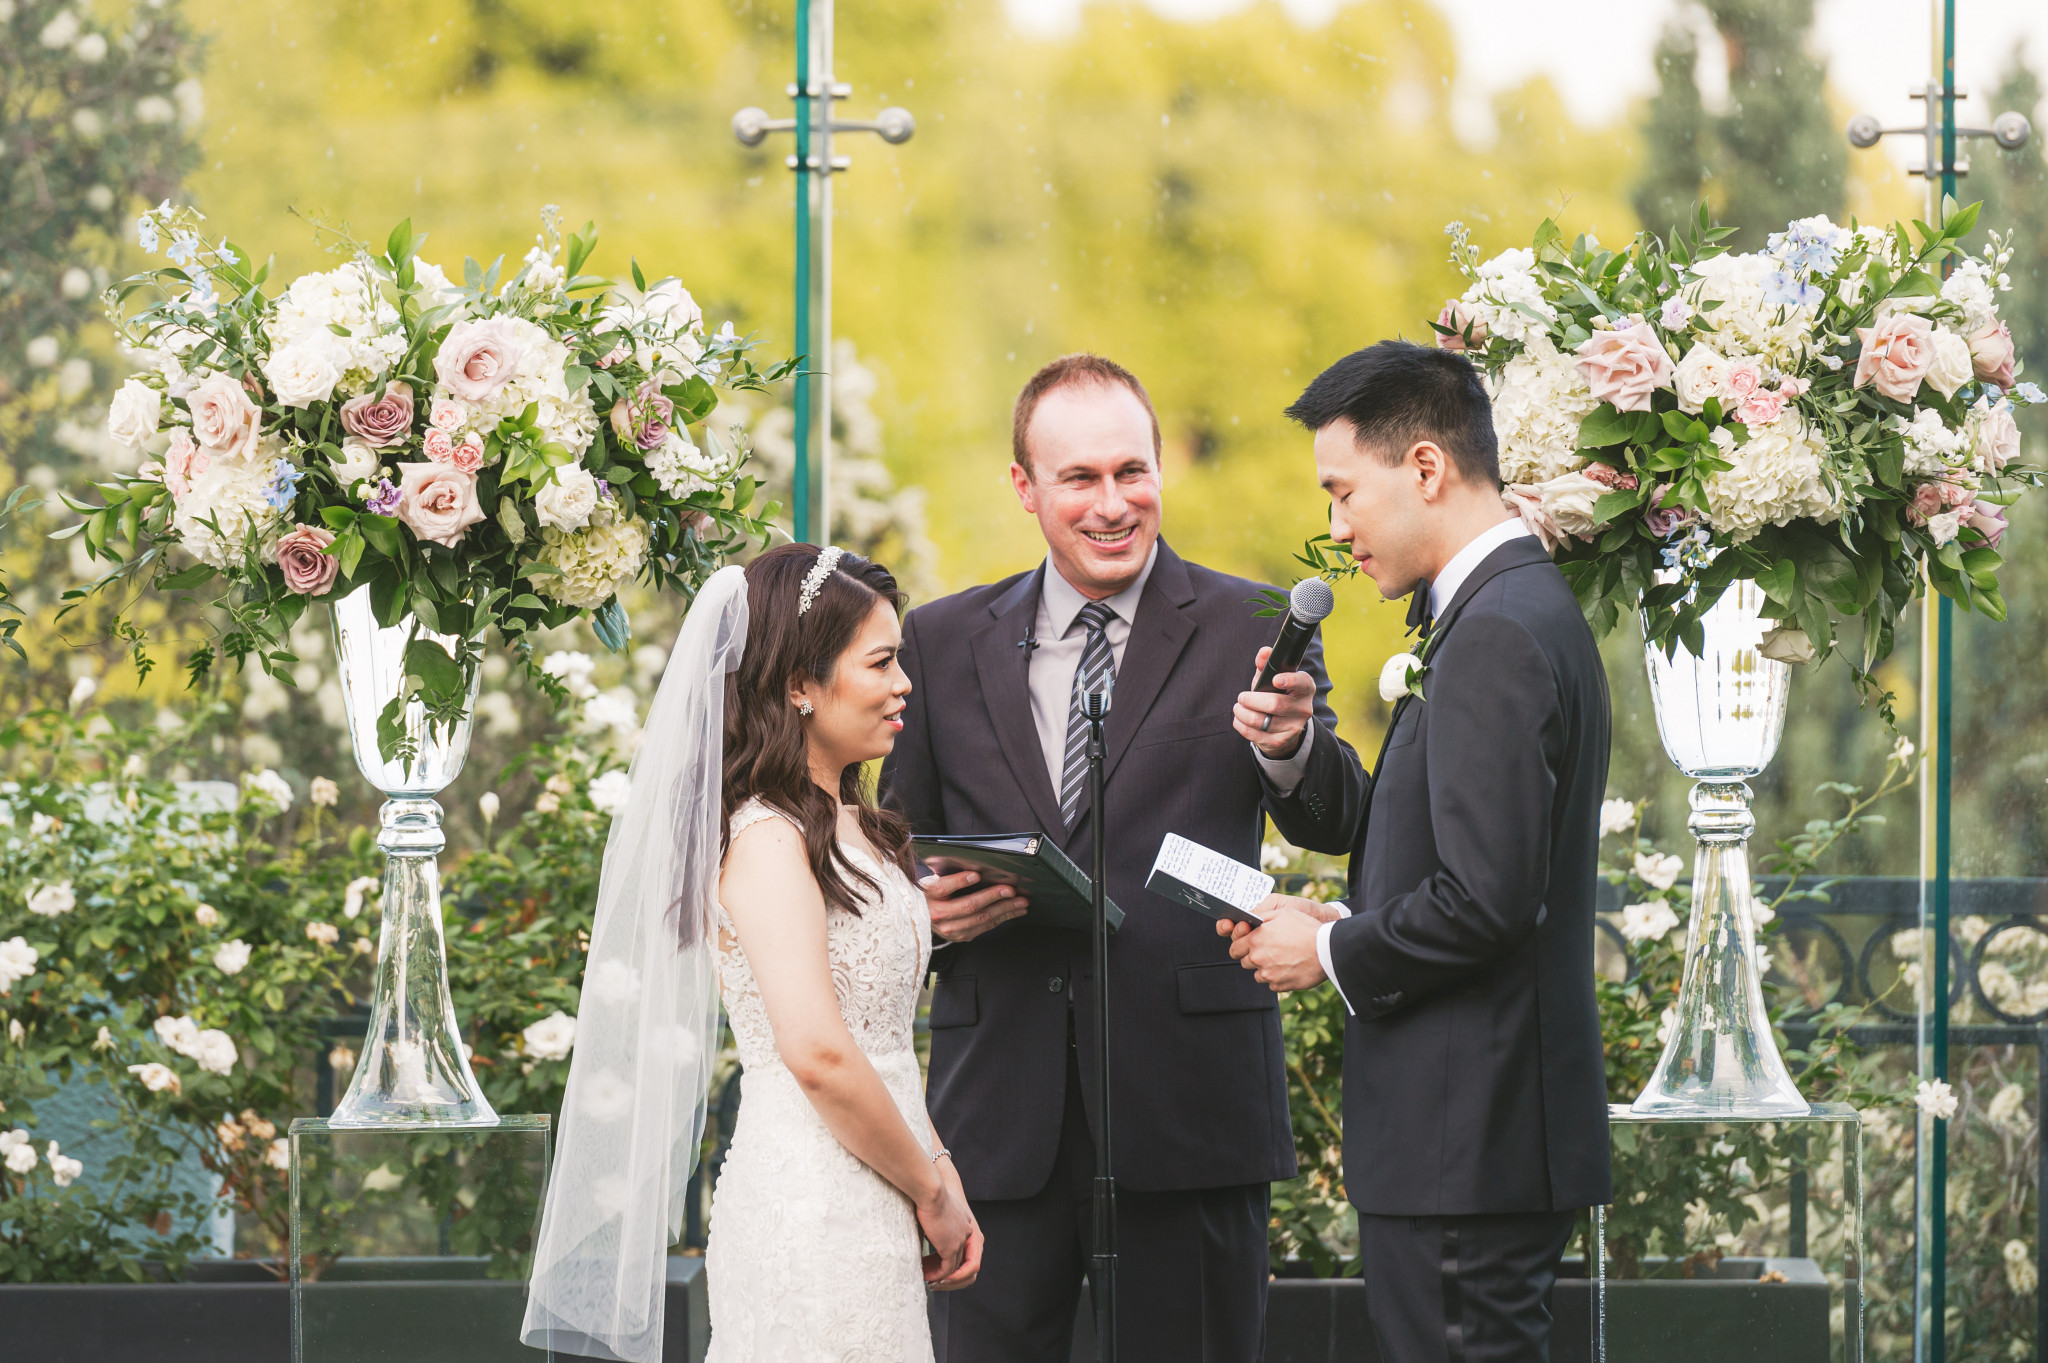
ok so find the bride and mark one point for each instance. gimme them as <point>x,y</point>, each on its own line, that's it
<point>749,863</point>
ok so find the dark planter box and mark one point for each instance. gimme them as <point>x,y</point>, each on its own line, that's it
<point>235,1312</point>
<point>1731,1317</point>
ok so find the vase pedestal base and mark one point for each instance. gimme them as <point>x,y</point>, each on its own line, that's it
<point>414,1241</point>
<point>1674,1284</point>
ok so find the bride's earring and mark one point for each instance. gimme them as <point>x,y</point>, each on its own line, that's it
<point>804,709</point>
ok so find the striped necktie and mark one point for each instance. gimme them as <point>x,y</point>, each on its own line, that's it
<point>1096,672</point>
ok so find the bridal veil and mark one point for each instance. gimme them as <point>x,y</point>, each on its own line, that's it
<point>647,1028</point>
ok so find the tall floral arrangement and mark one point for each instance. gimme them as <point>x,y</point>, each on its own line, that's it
<point>1829,417</point>
<point>485,454</point>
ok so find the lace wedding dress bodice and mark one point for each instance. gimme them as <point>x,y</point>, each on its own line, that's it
<point>813,1256</point>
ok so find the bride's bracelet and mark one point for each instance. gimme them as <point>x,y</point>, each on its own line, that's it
<point>941,1153</point>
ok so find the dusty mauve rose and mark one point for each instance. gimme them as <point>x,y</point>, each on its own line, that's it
<point>1988,520</point>
<point>477,358</point>
<point>1664,520</point>
<point>380,422</point>
<point>1625,366</point>
<point>437,502</point>
<point>1526,502</point>
<point>1991,354</point>
<point>1459,318</point>
<point>307,570</point>
<point>1609,476</point>
<point>1897,353</point>
<point>440,446</point>
<point>183,462</point>
<point>468,456</point>
<point>645,418</point>
<point>224,421</point>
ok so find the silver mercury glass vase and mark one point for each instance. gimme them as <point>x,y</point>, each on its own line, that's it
<point>412,1068</point>
<point>1721,716</point>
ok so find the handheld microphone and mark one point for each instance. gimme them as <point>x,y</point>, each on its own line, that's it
<point>1307,604</point>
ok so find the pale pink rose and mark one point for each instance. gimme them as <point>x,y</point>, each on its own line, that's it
<point>1991,354</point>
<point>1897,353</point>
<point>183,462</point>
<point>612,357</point>
<point>307,570</point>
<point>437,502</point>
<point>380,422</point>
<point>1459,316</point>
<point>1761,407</point>
<point>468,456</point>
<point>1526,502</point>
<point>1988,520</point>
<point>440,446</point>
<point>224,421</point>
<point>1744,379</point>
<point>445,416</point>
<point>1625,366</point>
<point>1794,387</point>
<point>1998,439</point>
<point>478,357</point>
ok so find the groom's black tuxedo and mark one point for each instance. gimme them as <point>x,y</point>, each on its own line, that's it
<point>1199,1073</point>
<point>1475,1103</point>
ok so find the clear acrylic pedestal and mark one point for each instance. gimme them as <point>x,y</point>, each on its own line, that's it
<point>1732,1240</point>
<point>412,1243</point>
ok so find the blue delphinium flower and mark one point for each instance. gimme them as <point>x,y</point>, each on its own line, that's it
<point>283,485</point>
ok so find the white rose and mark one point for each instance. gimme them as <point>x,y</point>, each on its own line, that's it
<point>1952,366</point>
<point>358,461</point>
<point>1648,922</point>
<point>279,1156</point>
<point>301,374</point>
<point>17,962</point>
<point>566,503</point>
<point>1702,374</point>
<point>610,791</point>
<point>231,957</point>
<point>1570,499</point>
<point>49,901</point>
<point>352,897</point>
<point>63,1169</point>
<point>156,1077</point>
<point>1943,529</point>
<point>268,787</point>
<point>21,1158</point>
<point>1787,644</point>
<point>552,1037</point>
<point>216,1051</point>
<point>1616,816</point>
<point>1395,674</point>
<point>133,415</point>
<point>1658,871</point>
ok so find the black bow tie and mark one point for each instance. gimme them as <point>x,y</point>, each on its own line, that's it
<point>1418,609</point>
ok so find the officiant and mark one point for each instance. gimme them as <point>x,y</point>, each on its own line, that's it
<point>994,743</point>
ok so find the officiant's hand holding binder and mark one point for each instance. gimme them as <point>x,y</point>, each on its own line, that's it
<point>1059,891</point>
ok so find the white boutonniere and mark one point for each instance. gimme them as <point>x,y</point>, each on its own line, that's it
<point>1402,676</point>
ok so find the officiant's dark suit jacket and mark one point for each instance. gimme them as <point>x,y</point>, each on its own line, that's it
<point>1199,1075</point>
<point>1473,1072</point>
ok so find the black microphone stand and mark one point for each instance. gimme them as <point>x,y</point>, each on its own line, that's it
<point>1104,1291</point>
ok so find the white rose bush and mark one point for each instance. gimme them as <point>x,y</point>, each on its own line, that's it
<point>1830,417</point>
<point>495,454</point>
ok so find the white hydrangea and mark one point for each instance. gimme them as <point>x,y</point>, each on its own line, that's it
<point>1541,400</point>
<point>680,468</point>
<point>1973,288</point>
<point>1776,478</point>
<point>223,508</point>
<point>1744,321</point>
<point>349,297</point>
<point>1932,448</point>
<point>595,561</point>
<point>1507,285</point>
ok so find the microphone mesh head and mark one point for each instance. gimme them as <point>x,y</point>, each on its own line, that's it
<point>1311,600</point>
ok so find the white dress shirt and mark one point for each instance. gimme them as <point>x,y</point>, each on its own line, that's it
<point>1443,589</point>
<point>1058,656</point>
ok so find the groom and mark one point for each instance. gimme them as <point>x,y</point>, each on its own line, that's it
<point>991,745</point>
<point>1475,1117</point>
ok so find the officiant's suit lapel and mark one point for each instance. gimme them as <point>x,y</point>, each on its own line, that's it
<point>1002,662</point>
<point>1158,636</point>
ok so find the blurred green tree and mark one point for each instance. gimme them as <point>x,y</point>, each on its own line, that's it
<point>1773,155</point>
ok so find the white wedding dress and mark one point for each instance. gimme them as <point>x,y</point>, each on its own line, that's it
<point>813,1256</point>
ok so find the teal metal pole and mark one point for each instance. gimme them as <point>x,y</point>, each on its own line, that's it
<point>1944,769</point>
<point>800,510</point>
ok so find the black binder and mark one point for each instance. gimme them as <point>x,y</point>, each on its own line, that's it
<point>1059,891</point>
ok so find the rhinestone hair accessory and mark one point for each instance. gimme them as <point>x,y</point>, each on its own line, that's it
<point>828,559</point>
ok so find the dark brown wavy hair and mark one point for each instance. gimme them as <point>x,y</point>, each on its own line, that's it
<point>766,752</point>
